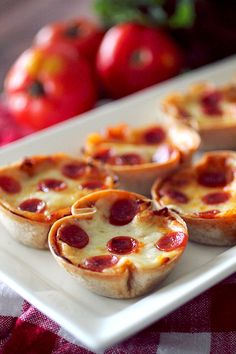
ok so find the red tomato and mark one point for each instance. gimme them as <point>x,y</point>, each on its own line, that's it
<point>48,85</point>
<point>83,34</point>
<point>132,57</point>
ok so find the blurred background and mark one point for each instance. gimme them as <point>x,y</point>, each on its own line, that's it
<point>206,29</point>
<point>21,19</point>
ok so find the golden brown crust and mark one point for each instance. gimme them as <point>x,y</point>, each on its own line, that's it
<point>186,140</point>
<point>218,229</point>
<point>30,228</point>
<point>126,280</point>
<point>218,138</point>
<point>183,142</point>
<point>28,232</point>
<point>125,285</point>
<point>215,134</point>
<point>140,179</point>
<point>215,232</point>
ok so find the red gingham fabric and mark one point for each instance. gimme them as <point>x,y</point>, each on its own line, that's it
<point>205,325</point>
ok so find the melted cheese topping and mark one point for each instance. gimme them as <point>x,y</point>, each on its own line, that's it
<point>55,200</point>
<point>195,193</point>
<point>126,140</point>
<point>200,95</point>
<point>145,227</point>
<point>197,114</point>
<point>147,152</point>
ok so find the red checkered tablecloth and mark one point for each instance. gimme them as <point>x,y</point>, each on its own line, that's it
<point>204,325</point>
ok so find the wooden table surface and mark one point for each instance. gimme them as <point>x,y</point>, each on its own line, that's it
<point>21,19</point>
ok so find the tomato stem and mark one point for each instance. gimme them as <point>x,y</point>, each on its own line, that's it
<point>140,58</point>
<point>36,89</point>
<point>72,31</point>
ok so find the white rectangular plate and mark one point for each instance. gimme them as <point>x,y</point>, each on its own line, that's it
<point>95,321</point>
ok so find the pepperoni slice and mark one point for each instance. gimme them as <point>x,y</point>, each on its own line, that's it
<point>99,263</point>
<point>171,241</point>
<point>122,245</point>
<point>103,155</point>
<point>154,135</point>
<point>9,184</point>
<point>123,211</point>
<point>92,185</point>
<point>51,184</point>
<point>210,103</point>
<point>73,235</point>
<point>176,195</point>
<point>208,214</point>
<point>216,198</point>
<point>73,170</point>
<point>33,205</point>
<point>125,159</point>
<point>162,154</point>
<point>114,160</point>
<point>213,179</point>
<point>28,166</point>
<point>130,159</point>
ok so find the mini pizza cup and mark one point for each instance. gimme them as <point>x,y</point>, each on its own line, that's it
<point>204,195</point>
<point>209,109</point>
<point>116,244</point>
<point>38,190</point>
<point>139,156</point>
